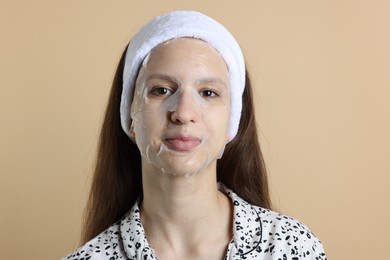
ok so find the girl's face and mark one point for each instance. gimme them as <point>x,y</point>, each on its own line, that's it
<point>181,107</point>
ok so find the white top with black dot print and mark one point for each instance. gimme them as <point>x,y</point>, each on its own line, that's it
<point>258,233</point>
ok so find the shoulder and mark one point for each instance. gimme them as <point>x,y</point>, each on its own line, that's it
<point>260,232</point>
<point>123,240</point>
<point>103,246</point>
<point>286,234</point>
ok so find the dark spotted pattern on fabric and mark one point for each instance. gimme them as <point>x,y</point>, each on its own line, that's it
<point>257,234</point>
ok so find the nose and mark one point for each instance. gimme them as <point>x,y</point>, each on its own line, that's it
<point>187,109</point>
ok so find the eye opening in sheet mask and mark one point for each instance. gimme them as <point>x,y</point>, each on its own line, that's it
<point>174,113</point>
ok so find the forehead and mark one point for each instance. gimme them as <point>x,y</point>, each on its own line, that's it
<point>184,42</point>
<point>185,50</point>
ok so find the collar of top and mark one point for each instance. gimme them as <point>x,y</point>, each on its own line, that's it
<point>247,230</point>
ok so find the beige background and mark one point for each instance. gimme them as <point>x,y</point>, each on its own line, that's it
<point>321,71</point>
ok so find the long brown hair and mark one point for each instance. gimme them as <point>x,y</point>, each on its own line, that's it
<point>117,181</point>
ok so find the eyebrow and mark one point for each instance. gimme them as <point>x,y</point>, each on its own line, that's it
<point>211,80</point>
<point>173,79</point>
<point>162,76</point>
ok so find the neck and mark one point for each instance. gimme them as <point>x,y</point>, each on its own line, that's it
<point>183,211</point>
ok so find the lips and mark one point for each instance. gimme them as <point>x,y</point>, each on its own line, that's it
<point>182,143</point>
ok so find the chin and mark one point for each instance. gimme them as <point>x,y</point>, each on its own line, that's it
<point>179,164</point>
<point>182,172</point>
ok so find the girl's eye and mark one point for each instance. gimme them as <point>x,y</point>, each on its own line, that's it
<point>208,93</point>
<point>160,91</point>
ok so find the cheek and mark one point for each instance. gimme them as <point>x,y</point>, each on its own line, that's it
<point>148,123</point>
<point>218,123</point>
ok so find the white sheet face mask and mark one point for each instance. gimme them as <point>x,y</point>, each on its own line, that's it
<point>181,107</point>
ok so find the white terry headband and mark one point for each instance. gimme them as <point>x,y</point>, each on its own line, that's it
<point>180,24</point>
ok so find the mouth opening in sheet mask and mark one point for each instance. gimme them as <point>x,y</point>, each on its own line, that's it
<point>170,144</point>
